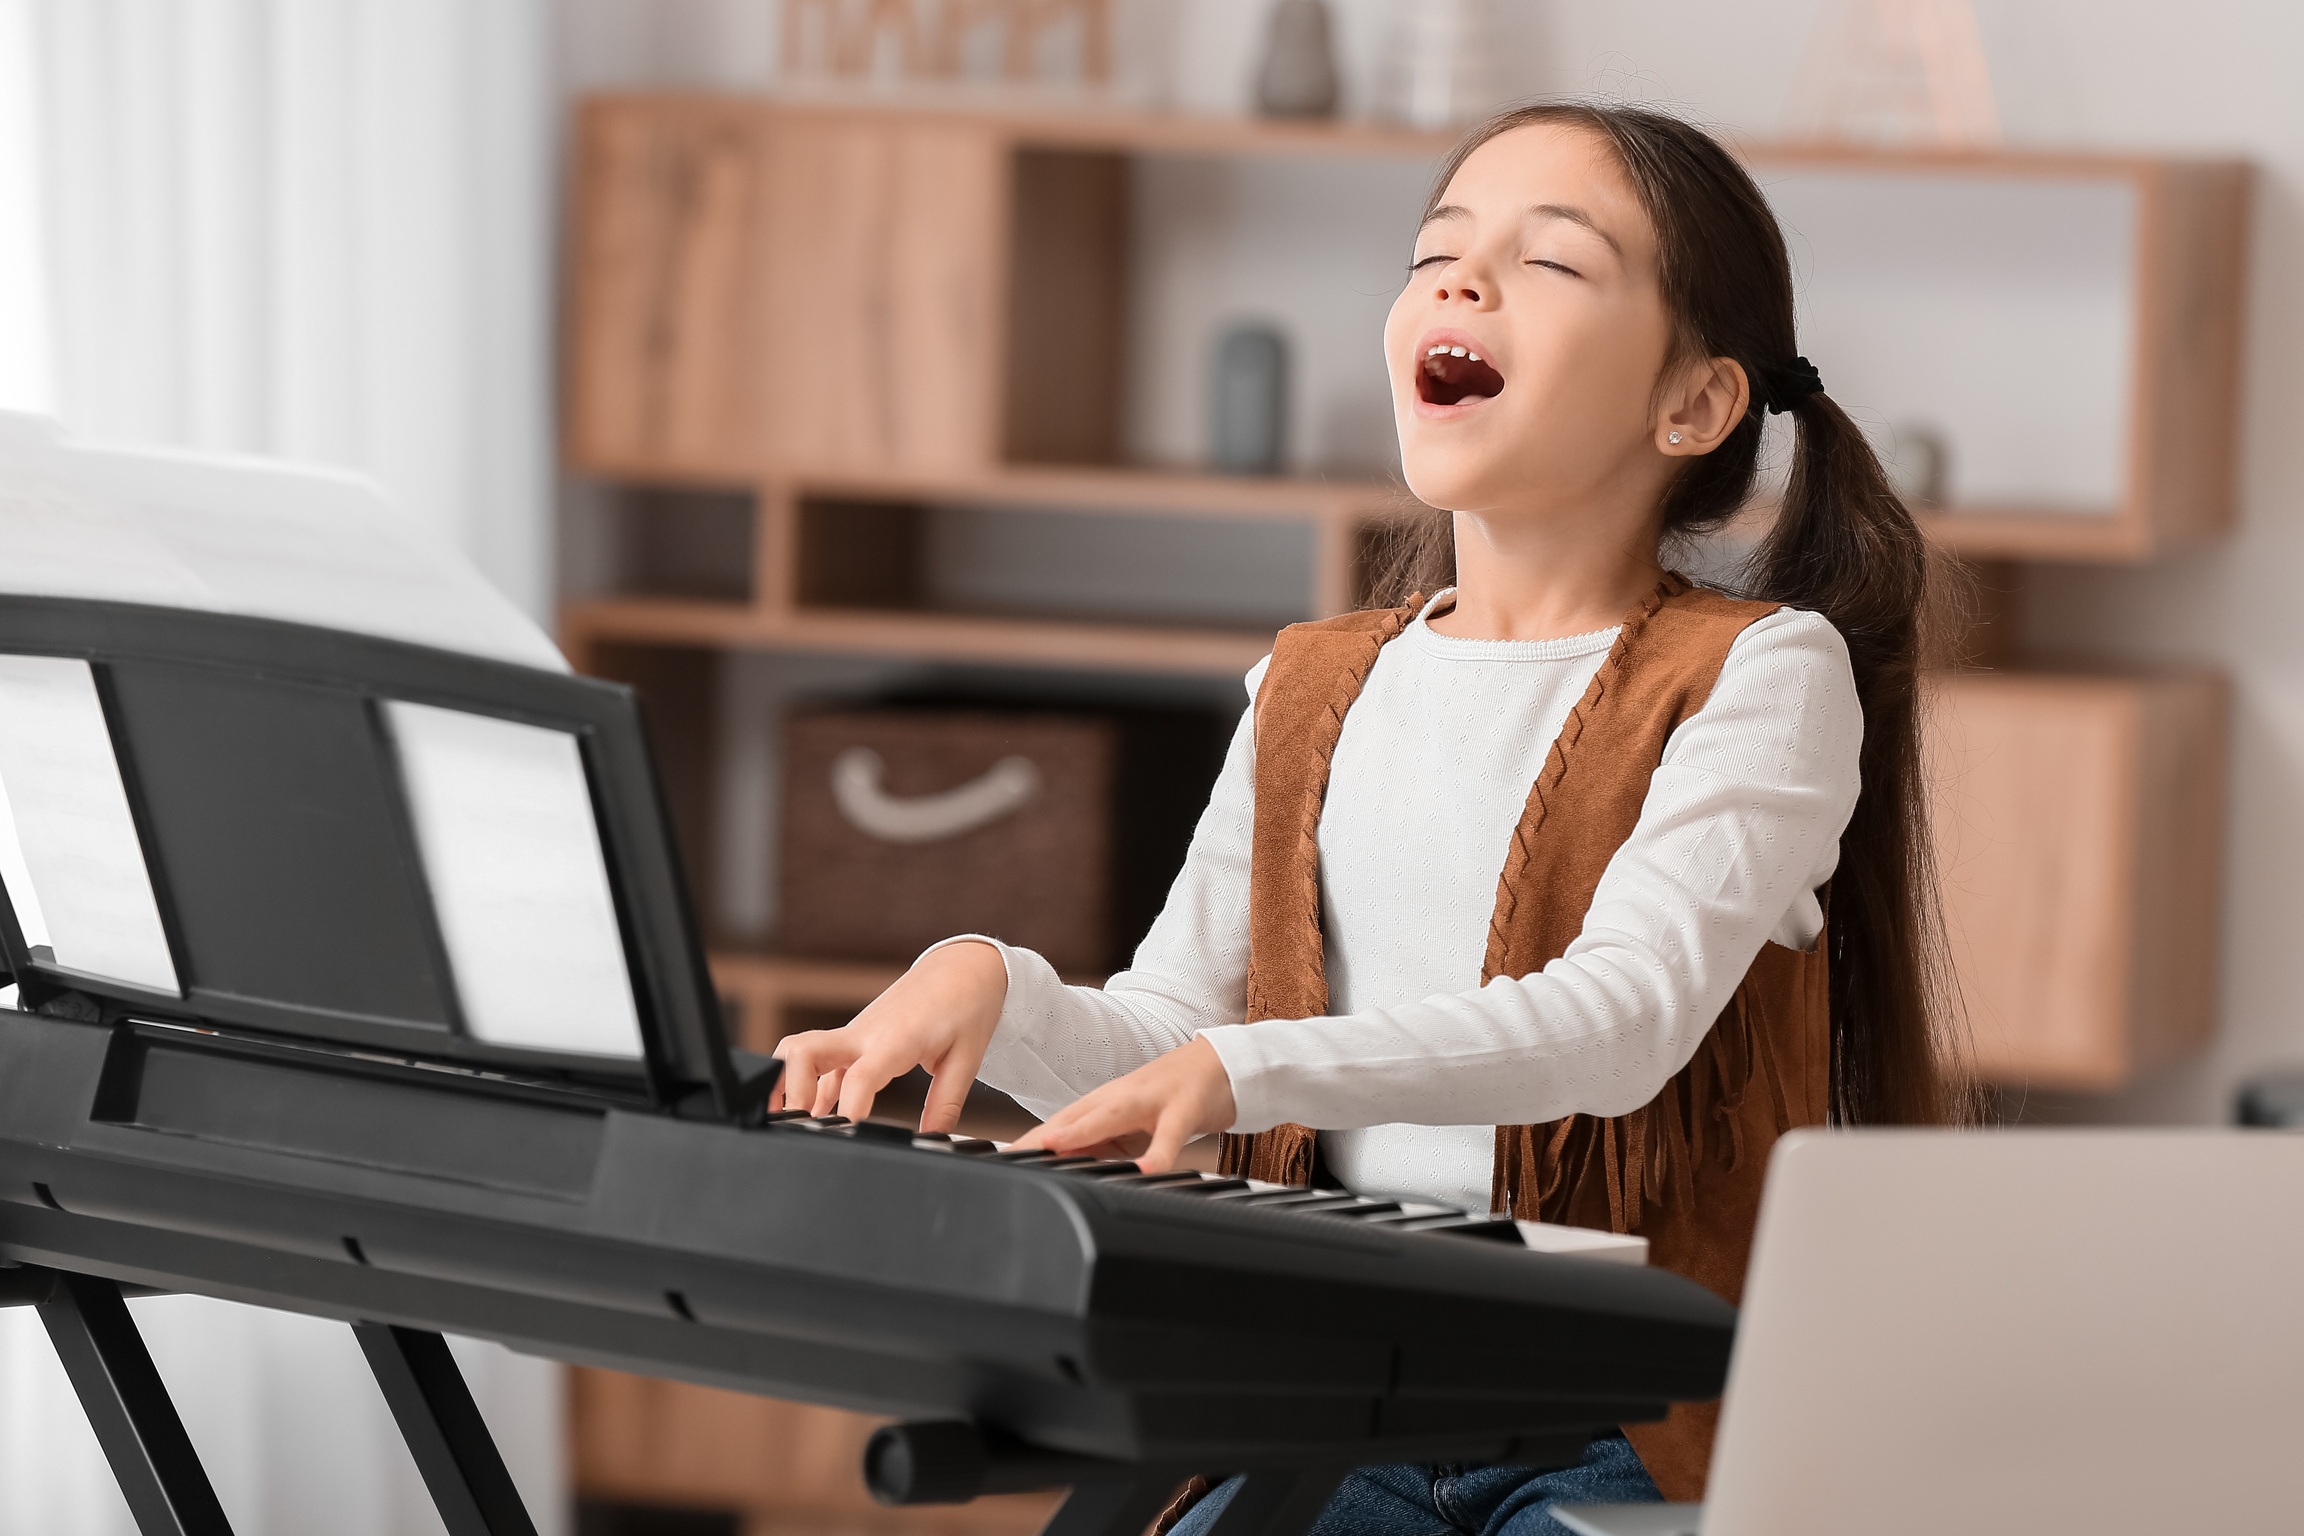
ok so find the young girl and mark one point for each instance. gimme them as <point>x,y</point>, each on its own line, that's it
<point>1568,887</point>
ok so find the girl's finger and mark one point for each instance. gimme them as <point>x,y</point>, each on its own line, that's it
<point>864,1079</point>
<point>949,1081</point>
<point>796,1084</point>
<point>827,1093</point>
<point>1095,1124</point>
<point>807,1057</point>
<point>1168,1138</point>
<point>947,1095</point>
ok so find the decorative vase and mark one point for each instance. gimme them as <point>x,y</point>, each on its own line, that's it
<point>1299,74</point>
<point>1248,403</point>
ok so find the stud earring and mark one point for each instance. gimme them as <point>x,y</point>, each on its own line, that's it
<point>1675,437</point>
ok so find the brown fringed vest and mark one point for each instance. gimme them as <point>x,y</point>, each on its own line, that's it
<point>1684,1171</point>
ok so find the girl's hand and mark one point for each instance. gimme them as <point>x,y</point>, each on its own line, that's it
<point>940,1015</point>
<point>1149,1114</point>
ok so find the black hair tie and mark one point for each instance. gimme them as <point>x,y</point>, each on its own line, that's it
<point>1790,383</point>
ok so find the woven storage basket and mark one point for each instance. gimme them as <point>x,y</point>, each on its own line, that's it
<point>905,826</point>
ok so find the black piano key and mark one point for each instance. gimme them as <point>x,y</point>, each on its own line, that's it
<point>1209,1186</point>
<point>1157,1180</point>
<point>1106,1169</point>
<point>1294,1199</point>
<point>1497,1229</point>
<point>1362,1210</point>
<point>1041,1157</point>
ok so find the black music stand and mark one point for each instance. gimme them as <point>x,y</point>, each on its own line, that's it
<point>220,727</point>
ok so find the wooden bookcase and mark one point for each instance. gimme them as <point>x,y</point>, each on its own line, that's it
<point>814,319</point>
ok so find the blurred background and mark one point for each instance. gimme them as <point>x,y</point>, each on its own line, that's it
<point>896,391</point>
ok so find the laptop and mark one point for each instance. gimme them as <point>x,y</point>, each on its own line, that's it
<point>2013,1331</point>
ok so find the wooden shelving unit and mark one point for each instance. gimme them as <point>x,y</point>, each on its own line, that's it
<point>814,314</point>
<point>2182,389</point>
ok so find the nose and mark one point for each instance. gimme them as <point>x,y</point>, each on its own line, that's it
<point>1468,295</point>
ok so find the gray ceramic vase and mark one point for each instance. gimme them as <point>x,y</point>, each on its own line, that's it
<point>1299,74</point>
<point>1248,402</point>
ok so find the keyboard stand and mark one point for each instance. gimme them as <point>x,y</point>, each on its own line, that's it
<point>950,1461</point>
<point>1268,1504</point>
<point>444,1431</point>
<point>159,1472</point>
<point>169,1494</point>
<point>1278,1503</point>
<point>127,1404</point>
<point>1110,1509</point>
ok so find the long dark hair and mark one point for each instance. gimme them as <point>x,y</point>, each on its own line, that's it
<point>1842,544</point>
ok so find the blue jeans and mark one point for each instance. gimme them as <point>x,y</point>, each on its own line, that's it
<point>1460,1500</point>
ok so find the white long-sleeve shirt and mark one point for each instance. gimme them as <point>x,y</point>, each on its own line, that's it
<point>1418,1061</point>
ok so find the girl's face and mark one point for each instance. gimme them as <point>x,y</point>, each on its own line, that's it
<point>1526,348</point>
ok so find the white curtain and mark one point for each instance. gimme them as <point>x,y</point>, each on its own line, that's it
<point>315,229</point>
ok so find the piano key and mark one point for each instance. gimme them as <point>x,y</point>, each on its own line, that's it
<point>1363,1209</point>
<point>1499,1229</point>
<point>1291,1199</point>
<point>1105,1169</point>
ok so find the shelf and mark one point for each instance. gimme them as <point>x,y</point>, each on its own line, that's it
<point>946,637</point>
<point>1073,124</point>
<point>1082,488</point>
<point>2104,538</point>
<point>1093,489</point>
<point>2060,165</point>
<point>808,982</point>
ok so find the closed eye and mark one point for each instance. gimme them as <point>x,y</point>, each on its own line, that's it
<point>1555,266</point>
<point>1418,266</point>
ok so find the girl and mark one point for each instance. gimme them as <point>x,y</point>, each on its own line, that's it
<point>1567,890</point>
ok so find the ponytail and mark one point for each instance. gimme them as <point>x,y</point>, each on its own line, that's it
<point>1842,545</point>
<point>1845,546</point>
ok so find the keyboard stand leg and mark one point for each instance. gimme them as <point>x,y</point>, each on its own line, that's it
<point>444,1431</point>
<point>1278,1503</point>
<point>1110,1509</point>
<point>127,1405</point>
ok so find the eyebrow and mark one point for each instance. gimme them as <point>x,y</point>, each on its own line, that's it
<point>1574,215</point>
<point>1577,216</point>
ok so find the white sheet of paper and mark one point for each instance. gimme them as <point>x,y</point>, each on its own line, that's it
<point>504,822</point>
<point>16,876</point>
<point>240,535</point>
<point>75,849</point>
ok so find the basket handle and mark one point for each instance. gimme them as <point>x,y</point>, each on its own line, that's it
<point>1001,790</point>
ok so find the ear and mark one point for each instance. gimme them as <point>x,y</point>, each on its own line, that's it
<point>1705,405</point>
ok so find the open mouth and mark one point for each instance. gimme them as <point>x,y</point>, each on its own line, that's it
<point>1451,375</point>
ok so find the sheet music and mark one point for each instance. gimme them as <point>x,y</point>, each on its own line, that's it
<point>513,858</point>
<point>73,867</point>
<point>249,536</point>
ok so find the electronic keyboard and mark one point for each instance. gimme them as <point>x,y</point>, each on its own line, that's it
<point>367,1124</point>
